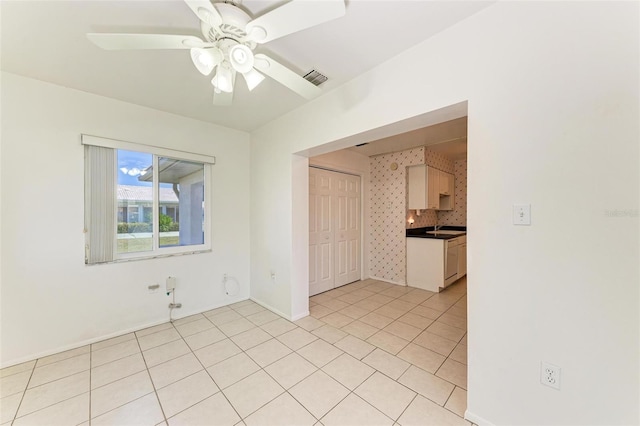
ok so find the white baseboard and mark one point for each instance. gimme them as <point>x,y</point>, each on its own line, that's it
<point>272,309</point>
<point>477,419</point>
<point>110,335</point>
<point>388,281</point>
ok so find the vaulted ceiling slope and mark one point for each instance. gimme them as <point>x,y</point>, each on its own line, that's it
<point>46,40</point>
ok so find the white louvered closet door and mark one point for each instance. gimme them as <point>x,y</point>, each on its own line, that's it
<point>334,229</point>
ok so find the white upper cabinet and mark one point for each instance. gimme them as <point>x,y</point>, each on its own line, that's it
<point>426,186</point>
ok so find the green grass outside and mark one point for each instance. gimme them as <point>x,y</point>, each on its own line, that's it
<point>133,245</point>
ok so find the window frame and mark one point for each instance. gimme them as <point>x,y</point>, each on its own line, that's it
<point>157,152</point>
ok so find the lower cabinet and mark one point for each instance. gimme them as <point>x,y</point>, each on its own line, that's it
<point>433,264</point>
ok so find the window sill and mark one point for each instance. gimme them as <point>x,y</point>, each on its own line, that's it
<point>154,256</point>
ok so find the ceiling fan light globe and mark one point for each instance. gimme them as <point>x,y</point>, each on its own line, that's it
<point>202,60</point>
<point>223,80</point>
<point>253,78</point>
<point>241,58</point>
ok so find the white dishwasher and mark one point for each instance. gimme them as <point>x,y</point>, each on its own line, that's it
<point>451,261</point>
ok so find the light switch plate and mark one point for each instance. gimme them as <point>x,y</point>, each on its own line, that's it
<point>522,214</point>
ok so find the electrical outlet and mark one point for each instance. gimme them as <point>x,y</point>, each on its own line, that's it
<point>153,288</point>
<point>550,375</point>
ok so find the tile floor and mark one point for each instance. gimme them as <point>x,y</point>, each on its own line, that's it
<point>371,353</point>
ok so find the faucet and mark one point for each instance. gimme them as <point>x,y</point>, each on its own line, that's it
<point>436,226</point>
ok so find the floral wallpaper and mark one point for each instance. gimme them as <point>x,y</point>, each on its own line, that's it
<point>388,192</point>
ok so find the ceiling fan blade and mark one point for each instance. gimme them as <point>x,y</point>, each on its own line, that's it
<point>145,41</point>
<point>205,11</point>
<point>294,16</point>
<point>286,77</point>
<point>222,98</point>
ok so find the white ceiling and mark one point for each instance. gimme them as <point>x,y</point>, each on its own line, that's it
<point>46,40</point>
<point>448,138</point>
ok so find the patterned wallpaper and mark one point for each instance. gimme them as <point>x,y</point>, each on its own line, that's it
<point>388,200</point>
<point>459,215</point>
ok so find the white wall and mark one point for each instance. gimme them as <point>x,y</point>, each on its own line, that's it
<point>49,299</point>
<point>552,90</point>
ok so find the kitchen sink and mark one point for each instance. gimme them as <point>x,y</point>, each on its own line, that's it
<point>446,232</point>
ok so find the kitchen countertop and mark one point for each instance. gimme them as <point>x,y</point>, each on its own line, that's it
<point>422,232</point>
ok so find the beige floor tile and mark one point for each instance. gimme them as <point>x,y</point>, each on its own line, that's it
<point>188,319</point>
<point>282,411</point>
<point>18,368</point>
<point>214,410</point>
<point>242,303</point>
<point>238,326</point>
<point>329,333</point>
<point>116,370</point>
<point>376,320</point>
<point>446,331</point>
<point>69,412</point>
<point>436,343</point>
<point>59,369</point>
<point>459,354</point>
<point>184,393</point>
<point>319,393</point>
<point>380,298</point>
<point>459,311</point>
<point>350,298</point>
<point>402,305</point>
<point>368,304</point>
<point>354,312</point>
<point>337,320</point>
<point>171,371</point>
<point>15,383</point>
<point>437,304</point>
<point>217,352</point>
<point>262,317</point>
<point>416,296</point>
<point>62,356</point>
<point>309,323</point>
<point>250,310</point>
<point>118,393</point>
<point>397,291</point>
<point>268,352</point>
<point>386,363</point>
<point>387,341</point>
<point>141,412</point>
<point>319,353</point>
<point>415,320</point>
<point>319,311</point>
<point>454,372</point>
<point>453,320</point>
<point>232,370</point>
<point>426,312</point>
<point>204,338</point>
<point>224,317</point>
<point>54,392</point>
<point>390,312</point>
<point>217,311</point>
<point>334,304</point>
<point>9,407</point>
<point>355,347</point>
<point>322,297</point>
<point>251,338</point>
<point>403,330</point>
<point>114,352</point>
<point>348,371</point>
<point>463,341</point>
<point>427,384</point>
<point>194,327</point>
<point>360,329</point>
<point>457,402</point>
<point>252,392</point>
<point>166,352</point>
<point>354,411</point>
<point>113,341</point>
<point>154,329</point>
<point>422,357</point>
<point>297,338</point>
<point>160,338</point>
<point>385,394</point>
<point>290,370</point>
<point>278,327</point>
<point>424,412</point>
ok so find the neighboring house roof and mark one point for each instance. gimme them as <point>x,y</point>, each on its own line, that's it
<point>145,193</point>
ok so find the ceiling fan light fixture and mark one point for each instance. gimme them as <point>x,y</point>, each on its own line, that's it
<point>253,78</point>
<point>223,80</point>
<point>241,58</point>
<point>206,60</point>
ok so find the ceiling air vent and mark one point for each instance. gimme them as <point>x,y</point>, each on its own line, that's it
<point>315,77</point>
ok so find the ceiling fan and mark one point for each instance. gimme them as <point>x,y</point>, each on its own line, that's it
<point>230,37</point>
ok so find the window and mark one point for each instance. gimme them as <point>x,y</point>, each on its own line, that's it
<point>143,201</point>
